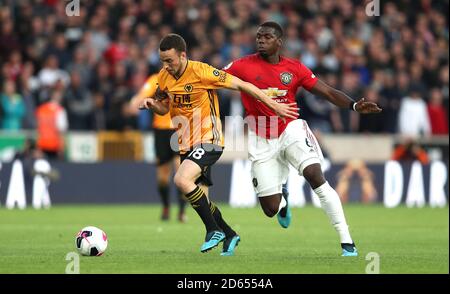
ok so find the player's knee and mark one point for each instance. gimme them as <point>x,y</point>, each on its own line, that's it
<point>313,174</point>
<point>181,182</point>
<point>269,211</point>
<point>269,205</point>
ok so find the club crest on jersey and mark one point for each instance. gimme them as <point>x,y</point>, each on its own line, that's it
<point>188,88</point>
<point>216,72</point>
<point>286,78</point>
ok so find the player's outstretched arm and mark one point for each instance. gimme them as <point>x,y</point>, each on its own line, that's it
<point>289,110</point>
<point>160,107</point>
<point>340,99</point>
<point>159,104</point>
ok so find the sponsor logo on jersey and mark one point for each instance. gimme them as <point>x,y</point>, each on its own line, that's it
<point>286,78</point>
<point>274,92</point>
<point>182,101</point>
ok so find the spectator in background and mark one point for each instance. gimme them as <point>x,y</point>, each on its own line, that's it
<point>346,121</point>
<point>59,49</point>
<point>99,114</point>
<point>413,116</point>
<point>410,150</point>
<point>28,85</point>
<point>78,103</point>
<point>438,113</point>
<point>81,64</point>
<point>14,66</point>
<point>372,123</point>
<point>408,42</point>
<point>13,107</point>
<point>51,73</point>
<point>9,41</point>
<point>392,98</point>
<point>52,123</point>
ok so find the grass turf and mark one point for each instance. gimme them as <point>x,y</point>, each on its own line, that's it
<point>407,241</point>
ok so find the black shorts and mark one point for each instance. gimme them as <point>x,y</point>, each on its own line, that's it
<point>204,155</point>
<point>164,152</point>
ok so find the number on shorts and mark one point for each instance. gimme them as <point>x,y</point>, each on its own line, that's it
<point>197,153</point>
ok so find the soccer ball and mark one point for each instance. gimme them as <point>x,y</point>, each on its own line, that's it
<point>91,241</point>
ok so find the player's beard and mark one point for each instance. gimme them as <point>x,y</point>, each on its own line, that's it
<point>263,54</point>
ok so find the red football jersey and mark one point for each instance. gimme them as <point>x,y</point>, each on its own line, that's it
<point>279,81</point>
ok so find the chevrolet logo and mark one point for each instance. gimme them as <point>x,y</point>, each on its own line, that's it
<point>274,92</point>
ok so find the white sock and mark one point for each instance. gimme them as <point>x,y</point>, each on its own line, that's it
<point>331,204</point>
<point>283,204</point>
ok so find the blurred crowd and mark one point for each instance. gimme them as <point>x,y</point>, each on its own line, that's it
<point>97,61</point>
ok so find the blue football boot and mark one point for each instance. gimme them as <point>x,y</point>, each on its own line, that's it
<point>212,239</point>
<point>229,245</point>
<point>349,249</point>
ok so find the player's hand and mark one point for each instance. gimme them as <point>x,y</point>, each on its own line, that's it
<point>289,110</point>
<point>362,106</point>
<point>147,103</point>
<point>160,107</point>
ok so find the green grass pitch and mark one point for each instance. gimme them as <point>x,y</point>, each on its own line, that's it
<point>407,241</point>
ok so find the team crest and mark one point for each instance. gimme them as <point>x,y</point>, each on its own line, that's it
<point>216,72</point>
<point>286,78</point>
<point>188,88</point>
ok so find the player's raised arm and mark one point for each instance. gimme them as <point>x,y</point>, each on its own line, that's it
<point>159,103</point>
<point>340,99</point>
<point>289,110</point>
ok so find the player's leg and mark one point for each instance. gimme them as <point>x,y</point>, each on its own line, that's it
<point>269,173</point>
<point>187,178</point>
<point>229,232</point>
<point>163,168</point>
<point>304,155</point>
<point>232,239</point>
<point>331,204</point>
<point>163,179</point>
<point>269,189</point>
<point>181,198</point>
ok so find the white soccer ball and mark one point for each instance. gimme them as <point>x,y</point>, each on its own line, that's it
<point>91,241</point>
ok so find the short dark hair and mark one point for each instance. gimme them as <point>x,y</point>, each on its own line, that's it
<point>173,41</point>
<point>275,26</point>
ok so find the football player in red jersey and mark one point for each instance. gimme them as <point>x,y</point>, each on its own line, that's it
<point>274,143</point>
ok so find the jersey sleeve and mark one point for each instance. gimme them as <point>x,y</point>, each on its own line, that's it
<point>161,89</point>
<point>307,79</point>
<point>233,68</point>
<point>149,88</point>
<point>213,78</point>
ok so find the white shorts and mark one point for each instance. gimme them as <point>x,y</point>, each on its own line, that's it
<point>271,157</point>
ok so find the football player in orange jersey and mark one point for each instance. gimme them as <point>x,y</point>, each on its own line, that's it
<point>186,88</point>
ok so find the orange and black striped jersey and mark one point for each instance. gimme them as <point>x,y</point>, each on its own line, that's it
<point>161,122</point>
<point>194,105</point>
